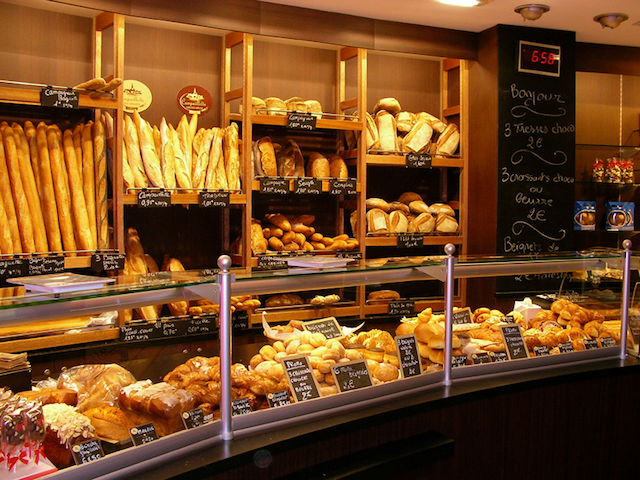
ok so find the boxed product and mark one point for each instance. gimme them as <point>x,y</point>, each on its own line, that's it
<point>619,216</point>
<point>584,217</point>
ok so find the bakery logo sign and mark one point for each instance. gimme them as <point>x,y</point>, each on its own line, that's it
<point>136,96</point>
<point>194,99</point>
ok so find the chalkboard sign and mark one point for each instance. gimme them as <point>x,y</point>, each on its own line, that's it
<point>201,324</point>
<point>154,199</point>
<point>565,347</point>
<point>307,186</point>
<point>173,328</point>
<point>301,121</point>
<point>480,358</point>
<point>410,240</point>
<point>240,407</point>
<point>329,327</point>
<point>13,267</point>
<point>143,434</point>
<point>541,350</point>
<point>271,262</point>
<point>509,319</point>
<point>300,377</point>
<point>136,332</point>
<point>418,160</point>
<point>352,255</point>
<point>536,156</point>
<point>498,356</point>
<point>213,199</point>
<point>277,186</point>
<point>607,342</point>
<point>346,187</point>
<point>459,361</point>
<point>590,344</point>
<point>101,262</point>
<point>461,316</point>
<point>193,418</point>
<point>58,98</point>
<point>351,375</point>
<point>45,265</point>
<point>408,355</point>
<point>86,452</point>
<point>406,308</point>
<point>240,320</point>
<point>514,342</point>
<point>278,399</point>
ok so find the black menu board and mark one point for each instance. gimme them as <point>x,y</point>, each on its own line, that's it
<point>536,155</point>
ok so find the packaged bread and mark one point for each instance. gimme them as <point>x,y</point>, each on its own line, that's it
<point>52,395</point>
<point>435,122</point>
<point>161,399</point>
<point>377,221</point>
<point>338,167</point>
<point>265,158</point>
<point>276,106</point>
<point>386,124</point>
<point>398,222</point>
<point>318,166</point>
<point>388,104</point>
<point>371,136</point>
<point>448,140</point>
<point>446,224</point>
<point>380,203</point>
<point>405,121</point>
<point>290,160</point>
<point>418,139</point>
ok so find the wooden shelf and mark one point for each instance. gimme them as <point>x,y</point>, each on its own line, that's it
<point>30,344</point>
<point>186,199</point>
<point>281,121</point>
<point>392,240</point>
<point>400,161</point>
<point>32,97</point>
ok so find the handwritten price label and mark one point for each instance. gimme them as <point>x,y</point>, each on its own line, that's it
<point>154,199</point>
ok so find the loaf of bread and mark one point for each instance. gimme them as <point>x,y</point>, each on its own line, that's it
<point>386,124</point>
<point>383,295</point>
<point>161,399</point>
<point>418,207</point>
<point>377,203</point>
<point>448,140</point>
<point>201,159</point>
<point>167,155</point>
<point>186,144</point>
<point>405,121</point>
<point>423,223</point>
<point>171,264</point>
<point>279,220</point>
<point>259,244</point>
<point>258,106</point>
<point>47,396</point>
<point>276,106</point>
<point>216,177</point>
<point>284,300</point>
<point>446,223</point>
<point>182,165</point>
<point>132,144</point>
<point>371,135</point>
<point>377,221</point>
<point>318,166</point>
<point>437,208</point>
<point>231,156</point>
<point>32,152</point>
<point>314,107</point>
<point>418,139</point>
<point>338,167</point>
<point>150,158</point>
<point>265,158</point>
<point>7,200</point>
<point>100,165</point>
<point>388,104</point>
<point>398,222</point>
<point>290,160</point>
<point>408,197</point>
<point>435,122</point>
<point>109,422</point>
<point>395,205</point>
<point>296,104</point>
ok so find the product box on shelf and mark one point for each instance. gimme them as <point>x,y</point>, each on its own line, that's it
<point>584,217</point>
<point>620,216</point>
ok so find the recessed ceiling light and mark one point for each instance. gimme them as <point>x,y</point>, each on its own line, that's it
<point>532,11</point>
<point>465,3</point>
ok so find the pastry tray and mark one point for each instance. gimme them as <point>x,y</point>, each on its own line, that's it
<point>61,282</point>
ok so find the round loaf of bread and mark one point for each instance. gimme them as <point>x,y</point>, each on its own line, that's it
<point>377,203</point>
<point>408,197</point>
<point>424,223</point>
<point>446,224</point>
<point>398,222</point>
<point>436,208</point>
<point>338,167</point>
<point>395,205</point>
<point>424,331</point>
<point>276,106</point>
<point>404,121</point>
<point>418,207</point>
<point>389,104</point>
<point>405,329</point>
<point>318,166</point>
<point>383,295</point>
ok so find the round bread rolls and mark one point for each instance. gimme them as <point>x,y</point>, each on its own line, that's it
<point>446,224</point>
<point>405,329</point>
<point>395,205</point>
<point>418,207</point>
<point>437,208</point>
<point>423,223</point>
<point>377,221</point>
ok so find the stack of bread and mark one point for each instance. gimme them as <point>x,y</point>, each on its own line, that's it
<point>185,157</point>
<point>53,188</point>
<point>407,214</point>
<point>277,106</point>
<point>389,129</point>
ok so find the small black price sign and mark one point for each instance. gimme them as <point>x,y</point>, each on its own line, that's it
<point>406,308</point>
<point>300,376</point>
<point>301,121</point>
<point>498,356</point>
<point>277,186</point>
<point>418,160</point>
<point>209,272</point>
<point>509,319</point>
<point>173,328</point>
<point>461,316</point>
<point>591,344</point>
<point>346,187</point>
<point>514,342</point>
<point>136,332</point>
<point>240,320</point>
<point>607,342</point>
<point>565,347</point>
<point>271,262</point>
<point>459,361</point>
<point>278,399</point>
<point>408,355</point>
<point>541,350</point>
<point>201,324</point>
<point>213,199</point>
<point>408,240</point>
<point>193,418</point>
<point>58,97</point>
<point>143,434</point>
<point>351,375</point>
<point>101,262</point>
<point>46,265</point>
<point>351,255</point>
<point>13,267</point>
<point>329,327</point>
<point>240,407</point>
<point>480,358</point>
<point>154,199</point>
<point>86,452</point>
<point>307,186</point>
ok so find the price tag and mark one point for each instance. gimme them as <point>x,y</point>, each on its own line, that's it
<point>240,407</point>
<point>300,377</point>
<point>58,98</point>
<point>565,347</point>
<point>352,255</point>
<point>591,344</point>
<point>418,160</point>
<point>154,199</point>
<point>45,265</point>
<point>86,452</point>
<point>209,272</point>
<point>607,342</point>
<point>514,342</point>
<point>307,186</point>
<point>498,356</point>
<point>351,375</point>
<point>278,399</point>
<point>240,320</point>
<point>14,267</point>
<point>329,327</point>
<point>107,261</point>
<point>213,199</point>
<point>277,186</point>
<point>346,187</point>
<point>541,351</point>
<point>193,418</point>
<point>143,434</point>
<point>408,355</point>
<point>173,328</point>
<point>509,319</point>
<point>271,262</point>
<point>201,324</point>
<point>462,316</point>
<point>480,358</point>
<point>134,332</point>
<point>459,361</point>
<point>407,240</point>
<point>301,121</point>
<point>406,308</point>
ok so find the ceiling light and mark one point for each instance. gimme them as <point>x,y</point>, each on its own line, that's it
<point>610,20</point>
<point>465,3</point>
<point>532,11</point>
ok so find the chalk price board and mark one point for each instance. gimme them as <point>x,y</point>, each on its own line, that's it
<point>480,358</point>
<point>213,199</point>
<point>240,407</point>
<point>154,199</point>
<point>498,357</point>
<point>193,418</point>
<point>101,262</point>
<point>271,262</point>
<point>541,350</point>
<point>301,378</point>
<point>329,327</point>
<point>58,98</point>
<point>407,240</point>
<point>418,160</point>
<point>45,265</point>
<point>307,186</point>
<point>275,186</point>
<point>536,156</point>
<point>301,121</point>
<point>565,347</point>
<point>278,399</point>
<point>462,317</point>
<point>351,375</point>
<point>459,361</point>
<point>86,452</point>
<point>408,355</point>
<point>143,434</point>
<point>14,267</point>
<point>346,187</point>
<point>607,342</point>
<point>514,342</point>
<point>591,344</point>
<point>402,308</point>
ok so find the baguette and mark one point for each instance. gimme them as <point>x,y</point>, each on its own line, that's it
<point>201,161</point>
<point>167,156</point>
<point>150,158</point>
<point>100,174</point>
<point>216,177</point>
<point>183,172</point>
<point>132,144</point>
<point>127,173</point>
<point>32,148</point>
<point>89,179</point>
<point>93,84</point>
<point>157,142</point>
<point>231,156</point>
<point>78,205</point>
<point>49,208</point>
<point>20,201</point>
<point>7,200</point>
<point>186,144</point>
<point>61,182</point>
<point>77,146</point>
<point>6,244</point>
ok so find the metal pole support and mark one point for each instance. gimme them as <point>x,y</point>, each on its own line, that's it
<point>224,280</point>
<point>624,308</point>
<point>449,262</point>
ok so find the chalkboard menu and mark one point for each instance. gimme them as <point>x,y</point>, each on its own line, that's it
<point>13,267</point>
<point>351,375</point>
<point>408,355</point>
<point>329,327</point>
<point>514,342</point>
<point>536,155</point>
<point>301,378</point>
<point>154,199</point>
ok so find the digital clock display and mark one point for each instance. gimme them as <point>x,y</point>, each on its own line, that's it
<point>539,58</point>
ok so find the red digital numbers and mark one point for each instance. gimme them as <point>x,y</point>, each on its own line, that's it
<point>544,58</point>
